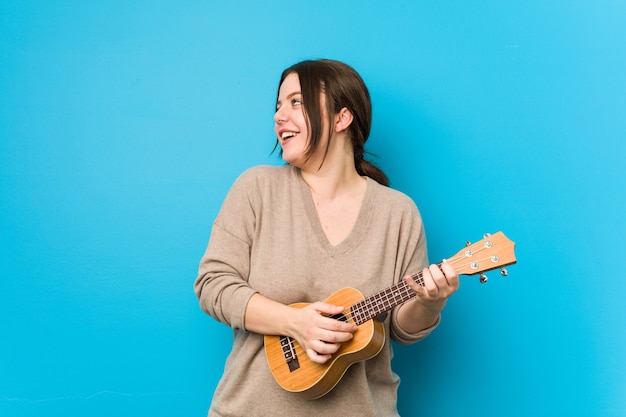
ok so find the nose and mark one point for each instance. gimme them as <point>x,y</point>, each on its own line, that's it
<point>279,116</point>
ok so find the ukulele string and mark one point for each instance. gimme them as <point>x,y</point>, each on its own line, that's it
<point>472,263</point>
<point>401,289</point>
<point>295,348</point>
<point>419,277</point>
<point>469,255</point>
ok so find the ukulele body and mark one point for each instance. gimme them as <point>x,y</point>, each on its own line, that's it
<point>312,380</point>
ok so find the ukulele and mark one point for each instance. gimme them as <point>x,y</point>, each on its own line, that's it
<point>293,370</point>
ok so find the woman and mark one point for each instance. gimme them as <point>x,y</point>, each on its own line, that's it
<point>298,233</point>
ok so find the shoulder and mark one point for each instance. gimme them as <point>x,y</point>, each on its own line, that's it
<point>391,197</point>
<point>263,183</point>
<point>250,192</point>
<point>264,173</point>
<point>262,176</point>
<point>393,209</point>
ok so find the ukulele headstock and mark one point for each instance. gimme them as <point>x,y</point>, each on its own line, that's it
<point>491,252</point>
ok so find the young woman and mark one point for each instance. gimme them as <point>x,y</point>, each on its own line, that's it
<point>298,233</point>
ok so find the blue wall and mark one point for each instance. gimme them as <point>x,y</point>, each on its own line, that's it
<point>123,124</point>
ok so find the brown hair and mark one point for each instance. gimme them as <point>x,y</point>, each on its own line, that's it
<point>343,87</point>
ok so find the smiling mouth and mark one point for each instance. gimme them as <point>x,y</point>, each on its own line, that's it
<point>288,135</point>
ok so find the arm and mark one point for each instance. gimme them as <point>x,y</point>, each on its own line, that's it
<point>227,297</point>
<point>320,336</point>
<point>423,311</point>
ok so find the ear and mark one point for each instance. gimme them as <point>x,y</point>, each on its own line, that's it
<point>343,120</point>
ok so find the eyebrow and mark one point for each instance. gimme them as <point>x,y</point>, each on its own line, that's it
<point>295,93</point>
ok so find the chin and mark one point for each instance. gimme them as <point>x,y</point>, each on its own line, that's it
<point>294,161</point>
<point>290,161</point>
<point>289,157</point>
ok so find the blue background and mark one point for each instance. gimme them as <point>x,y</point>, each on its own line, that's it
<point>123,124</point>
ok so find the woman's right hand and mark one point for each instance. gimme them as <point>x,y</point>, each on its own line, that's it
<point>318,334</point>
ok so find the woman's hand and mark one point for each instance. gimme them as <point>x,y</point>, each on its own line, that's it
<point>319,335</point>
<point>440,282</point>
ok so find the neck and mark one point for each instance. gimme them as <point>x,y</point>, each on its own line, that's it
<point>330,182</point>
<point>334,175</point>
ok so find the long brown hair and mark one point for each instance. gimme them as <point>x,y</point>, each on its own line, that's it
<point>343,87</point>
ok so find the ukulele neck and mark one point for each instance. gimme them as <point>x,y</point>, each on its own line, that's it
<point>379,303</point>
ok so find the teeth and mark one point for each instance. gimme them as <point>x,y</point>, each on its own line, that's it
<point>286,135</point>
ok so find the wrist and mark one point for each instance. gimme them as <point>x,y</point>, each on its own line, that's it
<point>434,307</point>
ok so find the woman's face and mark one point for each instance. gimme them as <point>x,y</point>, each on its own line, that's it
<point>290,121</point>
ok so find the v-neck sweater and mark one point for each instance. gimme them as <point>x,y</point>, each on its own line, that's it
<point>267,239</point>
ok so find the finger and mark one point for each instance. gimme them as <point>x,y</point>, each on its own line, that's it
<point>412,283</point>
<point>444,276</point>
<point>337,326</point>
<point>431,289</point>
<point>329,336</point>
<point>436,272</point>
<point>451,275</point>
<point>320,351</point>
<point>334,318</point>
<point>316,357</point>
<point>325,348</point>
<point>326,308</point>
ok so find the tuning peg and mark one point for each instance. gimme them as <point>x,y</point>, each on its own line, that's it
<point>483,278</point>
<point>504,272</point>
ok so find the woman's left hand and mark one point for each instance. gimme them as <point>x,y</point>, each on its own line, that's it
<point>440,282</point>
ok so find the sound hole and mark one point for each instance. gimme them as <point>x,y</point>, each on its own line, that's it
<point>340,317</point>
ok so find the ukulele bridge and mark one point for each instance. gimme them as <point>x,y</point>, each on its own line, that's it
<point>289,351</point>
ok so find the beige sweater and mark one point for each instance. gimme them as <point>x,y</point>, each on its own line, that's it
<point>267,239</point>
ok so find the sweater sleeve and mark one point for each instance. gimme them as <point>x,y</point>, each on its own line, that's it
<point>222,282</point>
<point>415,259</point>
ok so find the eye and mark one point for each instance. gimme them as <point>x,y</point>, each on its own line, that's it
<point>296,102</point>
